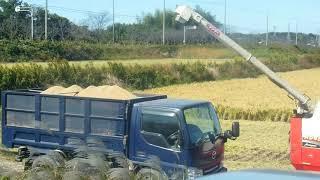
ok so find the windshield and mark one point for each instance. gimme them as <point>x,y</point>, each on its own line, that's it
<point>201,120</point>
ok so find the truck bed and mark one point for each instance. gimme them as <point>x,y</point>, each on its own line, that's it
<point>54,121</point>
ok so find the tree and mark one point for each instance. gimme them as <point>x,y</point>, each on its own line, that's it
<point>97,21</point>
<point>59,28</point>
<point>12,24</point>
<point>97,28</point>
<point>208,16</point>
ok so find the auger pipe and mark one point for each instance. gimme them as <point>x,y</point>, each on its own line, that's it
<point>185,13</point>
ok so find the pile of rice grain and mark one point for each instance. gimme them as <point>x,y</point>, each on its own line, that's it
<point>105,92</point>
<point>53,90</point>
<point>71,91</point>
<point>91,91</point>
<point>116,92</point>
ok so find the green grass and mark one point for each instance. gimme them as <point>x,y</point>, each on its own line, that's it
<point>129,62</point>
<point>261,145</point>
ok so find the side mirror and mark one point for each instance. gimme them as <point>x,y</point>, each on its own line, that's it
<point>235,129</point>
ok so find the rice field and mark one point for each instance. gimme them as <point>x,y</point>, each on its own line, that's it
<point>261,145</point>
<point>129,62</point>
<point>251,98</point>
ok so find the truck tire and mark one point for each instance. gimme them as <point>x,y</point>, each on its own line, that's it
<point>87,167</point>
<point>77,164</point>
<point>44,161</point>
<point>150,174</point>
<point>41,173</point>
<point>118,174</point>
<point>52,160</point>
<point>72,175</point>
<point>58,156</point>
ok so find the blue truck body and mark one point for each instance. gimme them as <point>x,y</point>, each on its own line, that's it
<point>40,121</point>
<point>46,121</point>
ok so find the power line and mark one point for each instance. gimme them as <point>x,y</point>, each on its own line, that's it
<point>82,11</point>
<point>219,3</point>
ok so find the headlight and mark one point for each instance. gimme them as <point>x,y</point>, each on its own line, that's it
<point>193,173</point>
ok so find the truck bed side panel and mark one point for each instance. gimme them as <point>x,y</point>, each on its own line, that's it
<point>48,121</point>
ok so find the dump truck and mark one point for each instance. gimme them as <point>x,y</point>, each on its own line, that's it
<point>305,122</point>
<point>149,134</point>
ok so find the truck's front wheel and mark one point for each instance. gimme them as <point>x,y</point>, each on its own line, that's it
<point>150,174</point>
<point>119,174</point>
<point>51,160</point>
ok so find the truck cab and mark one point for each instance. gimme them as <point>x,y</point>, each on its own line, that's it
<point>181,133</point>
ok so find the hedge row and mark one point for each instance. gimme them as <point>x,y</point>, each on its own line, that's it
<point>138,76</point>
<point>17,51</point>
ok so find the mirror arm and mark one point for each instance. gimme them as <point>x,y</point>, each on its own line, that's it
<point>228,135</point>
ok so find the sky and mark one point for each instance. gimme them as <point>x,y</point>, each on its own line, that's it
<point>247,16</point>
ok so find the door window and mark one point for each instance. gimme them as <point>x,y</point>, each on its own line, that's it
<point>161,129</point>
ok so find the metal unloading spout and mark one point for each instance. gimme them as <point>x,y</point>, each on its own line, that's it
<point>304,105</point>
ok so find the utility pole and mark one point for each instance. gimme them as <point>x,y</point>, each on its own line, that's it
<point>225,17</point>
<point>296,33</point>
<point>113,21</point>
<point>26,9</point>
<point>164,22</point>
<point>267,34</point>
<point>184,34</point>
<point>31,11</point>
<point>46,21</point>
<point>288,37</point>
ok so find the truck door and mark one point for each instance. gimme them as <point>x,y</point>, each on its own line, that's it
<point>158,134</point>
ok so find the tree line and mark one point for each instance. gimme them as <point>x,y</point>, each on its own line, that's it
<point>97,27</point>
